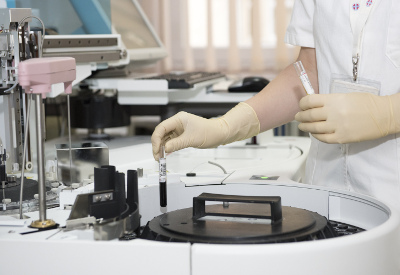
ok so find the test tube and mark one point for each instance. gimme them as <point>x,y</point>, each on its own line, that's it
<point>303,77</point>
<point>163,177</point>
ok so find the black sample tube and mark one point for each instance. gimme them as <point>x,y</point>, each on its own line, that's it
<point>163,194</point>
<point>163,177</point>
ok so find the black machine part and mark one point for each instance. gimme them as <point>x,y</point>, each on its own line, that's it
<point>252,84</point>
<point>238,220</point>
<point>12,189</point>
<point>110,201</point>
<point>97,111</point>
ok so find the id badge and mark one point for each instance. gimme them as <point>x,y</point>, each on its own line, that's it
<point>345,84</point>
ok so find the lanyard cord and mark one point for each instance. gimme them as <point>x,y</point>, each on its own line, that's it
<point>359,14</point>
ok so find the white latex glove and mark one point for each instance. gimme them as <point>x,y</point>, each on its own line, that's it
<point>188,130</point>
<point>352,117</point>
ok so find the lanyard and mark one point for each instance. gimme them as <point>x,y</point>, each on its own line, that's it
<point>359,13</point>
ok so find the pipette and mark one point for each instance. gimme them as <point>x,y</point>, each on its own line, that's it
<point>163,177</point>
<point>301,72</point>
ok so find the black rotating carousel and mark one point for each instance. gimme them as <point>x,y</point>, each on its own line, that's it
<point>242,220</point>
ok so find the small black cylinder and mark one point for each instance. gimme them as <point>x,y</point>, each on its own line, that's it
<point>101,179</point>
<point>132,195</point>
<point>95,111</point>
<point>120,191</point>
<point>111,175</point>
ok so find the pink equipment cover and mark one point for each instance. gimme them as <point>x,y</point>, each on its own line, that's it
<point>36,75</point>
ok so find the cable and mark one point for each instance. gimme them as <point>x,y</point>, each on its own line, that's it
<point>219,165</point>
<point>43,31</point>
<point>210,162</point>
<point>40,46</point>
<point>12,87</point>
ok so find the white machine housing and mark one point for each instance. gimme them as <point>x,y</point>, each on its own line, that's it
<point>375,251</point>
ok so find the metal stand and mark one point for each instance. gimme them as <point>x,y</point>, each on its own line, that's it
<point>42,222</point>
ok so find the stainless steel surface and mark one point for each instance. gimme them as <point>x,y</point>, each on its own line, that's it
<point>110,231</point>
<point>103,197</point>
<point>81,223</point>
<point>13,15</point>
<point>54,42</point>
<point>40,38</point>
<point>4,44</point>
<point>18,122</point>
<point>85,156</point>
<point>40,157</point>
<point>13,129</point>
<point>83,57</point>
<point>84,48</point>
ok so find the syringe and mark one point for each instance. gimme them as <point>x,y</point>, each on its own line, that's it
<point>163,177</point>
<point>301,72</point>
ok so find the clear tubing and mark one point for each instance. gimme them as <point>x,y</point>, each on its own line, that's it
<point>301,72</point>
<point>43,32</point>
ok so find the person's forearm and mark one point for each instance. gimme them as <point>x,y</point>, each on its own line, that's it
<point>278,102</point>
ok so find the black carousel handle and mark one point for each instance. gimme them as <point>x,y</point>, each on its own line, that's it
<point>199,205</point>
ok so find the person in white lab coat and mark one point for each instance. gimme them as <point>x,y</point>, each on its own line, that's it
<point>351,53</point>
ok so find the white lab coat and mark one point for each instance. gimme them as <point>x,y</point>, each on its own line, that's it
<point>370,167</point>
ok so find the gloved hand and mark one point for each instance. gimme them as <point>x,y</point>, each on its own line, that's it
<point>187,130</point>
<point>352,117</point>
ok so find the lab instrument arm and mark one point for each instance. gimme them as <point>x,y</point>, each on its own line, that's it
<point>278,102</point>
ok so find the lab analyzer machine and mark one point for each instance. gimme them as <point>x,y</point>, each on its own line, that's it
<point>103,205</point>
